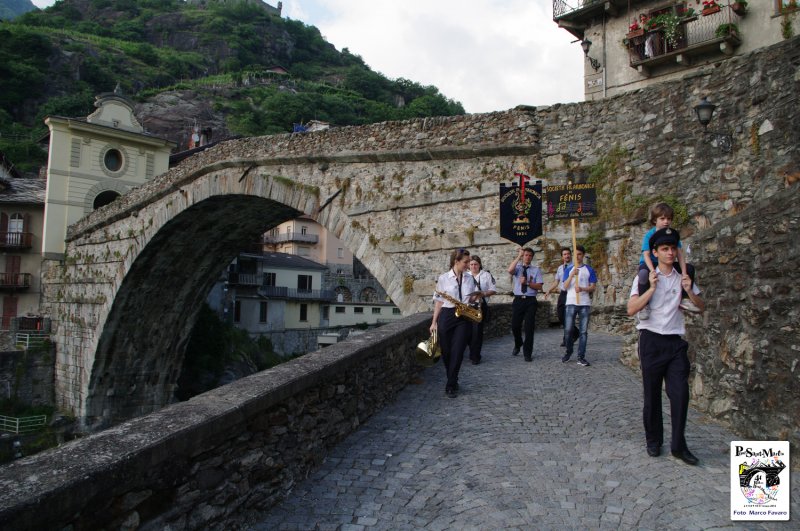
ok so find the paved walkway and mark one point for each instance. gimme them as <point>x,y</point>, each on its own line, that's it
<point>540,445</point>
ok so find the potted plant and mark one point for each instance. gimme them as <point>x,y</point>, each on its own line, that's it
<point>710,7</point>
<point>635,30</point>
<point>669,24</point>
<point>727,29</point>
<point>739,7</point>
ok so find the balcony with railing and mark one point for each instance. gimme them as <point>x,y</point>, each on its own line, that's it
<point>16,240</point>
<point>584,10</point>
<point>286,237</point>
<point>15,281</point>
<point>685,34</point>
<point>282,292</point>
<point>244,279</point>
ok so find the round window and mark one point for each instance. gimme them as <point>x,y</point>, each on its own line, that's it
<point>113,160</point>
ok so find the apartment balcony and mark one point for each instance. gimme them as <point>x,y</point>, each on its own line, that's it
<point>281,292</point>
<point>695,36</point>
<point>16,240</point>
<point>15,281</point>
<point>244,279</point>
<point>576,15</point>
<point>287,237</point>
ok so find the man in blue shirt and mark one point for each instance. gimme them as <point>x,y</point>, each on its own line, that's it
<point>579,282</point>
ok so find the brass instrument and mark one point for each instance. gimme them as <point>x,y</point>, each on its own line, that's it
<point>473,313</point>
<point>429,352</point>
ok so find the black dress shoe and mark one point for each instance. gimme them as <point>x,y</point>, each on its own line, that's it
<point>476,362</point>
<point>451,393</point>
<point>686,456</point>
<point>515,351</point>
<point>528,358</point>
<point>653,451</point>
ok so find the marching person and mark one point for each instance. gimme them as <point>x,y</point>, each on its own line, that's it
<point>454,332</point>
<point>584,282</point>
<point>561,304</point>
<point>526,281</point>
<point>662,349</point>
<point>486,285</point>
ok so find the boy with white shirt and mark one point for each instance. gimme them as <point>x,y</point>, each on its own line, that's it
<point>585,283</point>
<point>663,353</point>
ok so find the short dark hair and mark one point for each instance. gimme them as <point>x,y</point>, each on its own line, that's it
<point>457,255</point>
<point>580,248</point>
<point>566,249</point>
<point>661,209</point>
<point>527,250</point>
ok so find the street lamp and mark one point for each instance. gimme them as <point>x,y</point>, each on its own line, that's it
<point>705,111</point>
<point>586,44</point>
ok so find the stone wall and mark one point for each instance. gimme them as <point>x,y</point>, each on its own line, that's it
<point>746,349</point>
<point>236,448</point>
<point>27,376</point>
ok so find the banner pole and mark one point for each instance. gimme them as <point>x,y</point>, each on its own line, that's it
<point>575,262</point>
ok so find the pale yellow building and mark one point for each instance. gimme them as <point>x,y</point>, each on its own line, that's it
<point>94,160</point>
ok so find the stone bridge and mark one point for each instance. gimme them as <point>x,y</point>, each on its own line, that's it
<point>400,196</point>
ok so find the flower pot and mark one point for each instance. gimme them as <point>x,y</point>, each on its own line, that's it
<point>710,11</point>
<point>635,33</point>
<point>738,8</point>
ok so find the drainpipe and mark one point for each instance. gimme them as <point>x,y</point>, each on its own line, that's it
<point>605,58</point>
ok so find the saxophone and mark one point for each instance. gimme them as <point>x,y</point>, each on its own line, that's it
<point>463,309</point>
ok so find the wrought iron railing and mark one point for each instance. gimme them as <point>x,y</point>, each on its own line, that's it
<point>697,32</point>
<point>20,240</point>
<point>15,280</point>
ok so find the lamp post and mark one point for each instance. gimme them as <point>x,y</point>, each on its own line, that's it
<point>705,111</point>
<point>586,44</point>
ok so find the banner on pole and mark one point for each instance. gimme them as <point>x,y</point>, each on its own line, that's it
<point>571,201</point>
<point>521,210</point>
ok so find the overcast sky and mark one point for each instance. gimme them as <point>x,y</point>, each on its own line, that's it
<point>488,55</point>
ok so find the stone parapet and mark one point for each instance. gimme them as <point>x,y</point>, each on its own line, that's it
<point>235,448</point>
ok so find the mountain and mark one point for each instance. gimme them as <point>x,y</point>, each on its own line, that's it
<point>235,65</point>
<point>10,9</point>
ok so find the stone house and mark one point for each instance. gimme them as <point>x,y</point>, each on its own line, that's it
<point>21,219</point>
<point>631,44</point>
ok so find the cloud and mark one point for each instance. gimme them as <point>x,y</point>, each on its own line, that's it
<point>487,55</point>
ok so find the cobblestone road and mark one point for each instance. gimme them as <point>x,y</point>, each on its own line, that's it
<point>540,445</point>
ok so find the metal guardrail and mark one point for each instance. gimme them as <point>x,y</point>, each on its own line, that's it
<point>291,237</point>
<point>19,425</point>
<point>26,340</point>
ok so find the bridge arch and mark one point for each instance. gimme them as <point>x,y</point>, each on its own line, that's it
<point>130,288</point>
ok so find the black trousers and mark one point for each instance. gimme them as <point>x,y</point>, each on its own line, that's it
<point>523,310</point>
<point>561,306</point>
<point>664,358</point>
<point>476,339</point>
<point>454,334</point>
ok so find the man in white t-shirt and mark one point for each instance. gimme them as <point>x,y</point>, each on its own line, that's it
<point>579,283</point>
<point>662,349</point>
